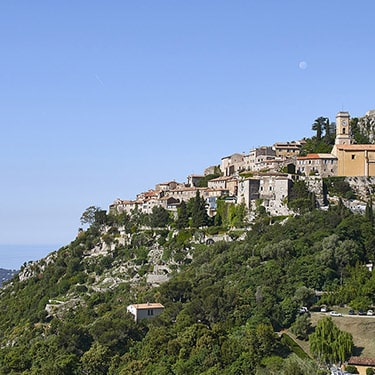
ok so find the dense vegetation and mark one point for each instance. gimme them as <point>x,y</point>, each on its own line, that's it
<point>223,304</point>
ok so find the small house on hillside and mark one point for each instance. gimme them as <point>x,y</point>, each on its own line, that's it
<point>145,310</point>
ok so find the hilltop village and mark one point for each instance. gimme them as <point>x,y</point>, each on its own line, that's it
<point>265,176</point>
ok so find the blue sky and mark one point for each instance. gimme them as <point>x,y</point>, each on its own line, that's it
<point>102,100</point>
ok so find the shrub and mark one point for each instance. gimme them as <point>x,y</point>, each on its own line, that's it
<point>351,369</point>
<point>293,346</point>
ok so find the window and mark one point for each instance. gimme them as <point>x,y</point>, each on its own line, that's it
<point>150,312</point>
<point>353,157</point>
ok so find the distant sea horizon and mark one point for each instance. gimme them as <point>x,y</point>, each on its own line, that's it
<point>12,257</point>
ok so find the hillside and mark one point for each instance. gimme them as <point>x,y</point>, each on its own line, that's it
<point>223,302</point>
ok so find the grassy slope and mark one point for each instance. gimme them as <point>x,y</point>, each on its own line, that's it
<point>362,329</point>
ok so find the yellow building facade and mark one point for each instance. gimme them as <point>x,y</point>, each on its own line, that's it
<point>355,160</point>
<point>352,159</point>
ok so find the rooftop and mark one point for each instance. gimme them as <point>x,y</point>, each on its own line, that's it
<point>148,305</point>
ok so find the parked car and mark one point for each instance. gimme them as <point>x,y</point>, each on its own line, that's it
<point>370,312</point>
<point>351,312</point>
<point>303,310</point>
<point>323,308</point>
<point>361,312</point>
<point>335,313</point>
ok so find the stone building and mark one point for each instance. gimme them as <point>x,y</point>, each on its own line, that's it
<point>352,159</point>
<point>273,190</point>
<point>324,165</point>
<point>287,149</point>
<point>232,164</point>
<point>258,156</point>
<point>225,183</point>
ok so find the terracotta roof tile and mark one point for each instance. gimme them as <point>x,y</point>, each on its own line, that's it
<point>362,361</point>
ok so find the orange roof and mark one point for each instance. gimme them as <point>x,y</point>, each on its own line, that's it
<point>316,156</point>
<point>143,306</point>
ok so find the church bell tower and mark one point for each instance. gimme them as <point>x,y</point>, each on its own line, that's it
<point>343,131</point>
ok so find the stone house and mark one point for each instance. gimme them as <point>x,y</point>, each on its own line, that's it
<point>119,206</point>
<point>169,203</point>
<point>148,204</point>
<point>224,183</point>
<point>165,186</point>
<point>232,164</point>
<point>184,194</point>
<point>287,149</point>
<point>272,189</point>
<point>258,155</point>
<point>149,194</point>
<point>145,310</point>
<point>324,165</point>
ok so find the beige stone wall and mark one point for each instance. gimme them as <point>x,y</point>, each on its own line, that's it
<point>356,162</point>
<point>273,190</point>
<point>232,164</point>
<point>324,167</point>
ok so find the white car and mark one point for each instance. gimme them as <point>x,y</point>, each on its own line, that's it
<point>335,313</point>
<point>370,312</point>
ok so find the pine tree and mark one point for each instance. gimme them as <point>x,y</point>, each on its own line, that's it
<point>369,212</point>
<point>199,215</point>
<point>183,216</point>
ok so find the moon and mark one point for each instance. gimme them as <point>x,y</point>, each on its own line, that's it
<point>302,65</point>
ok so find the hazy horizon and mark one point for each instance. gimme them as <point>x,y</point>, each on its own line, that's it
<point>12,257</point>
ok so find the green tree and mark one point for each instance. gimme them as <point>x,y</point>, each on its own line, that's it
<point>318,127</point>
<point>327,131</point>
<point>300,199</point>
<point>329,344</point>
<point>301,327</point>
<point>96,361</point>
<point>183,216</point>
<point>238,217</point>
<point>369,214</point>
<point>94,216</point>
<point>294,365</point>
<point>305,296</point>
<point>89,215</point>
<point>159,217</point>
<point>199,217</point>
<point>351,369</point>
